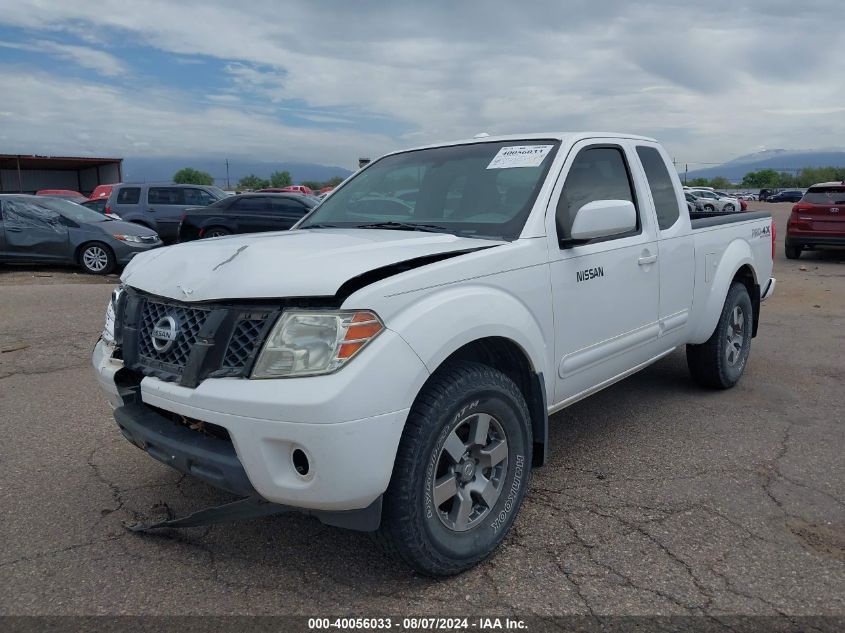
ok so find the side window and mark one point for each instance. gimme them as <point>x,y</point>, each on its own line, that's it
<point>166,195</point>
<point>198,197</point>
<point>252,204</point>
<point>17,213</point>
<point>597,173</point>
<point>129,195</point>
<point>660,184</point>
<point>289,207</point>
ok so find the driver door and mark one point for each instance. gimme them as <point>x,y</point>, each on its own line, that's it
<point>33,233</point>
<point>605,291</point>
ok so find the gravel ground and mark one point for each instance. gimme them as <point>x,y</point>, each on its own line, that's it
<point>660,498</point>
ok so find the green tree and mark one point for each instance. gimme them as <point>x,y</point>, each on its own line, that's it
<point>333,182</point>
<point>761,178</point>
<point>191,176</point>
<point>698,182</point>
<point>312,184</point>
<point>280,179</point>
<point>253,182</point>
<point>720,183</point>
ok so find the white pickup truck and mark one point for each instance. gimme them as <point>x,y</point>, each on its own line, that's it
<point>391,363</point>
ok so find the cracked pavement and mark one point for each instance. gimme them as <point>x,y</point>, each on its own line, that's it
<point>660,498</point>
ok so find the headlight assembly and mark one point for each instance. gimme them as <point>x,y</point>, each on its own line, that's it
<point>309,343</point>
<point>126,238</point>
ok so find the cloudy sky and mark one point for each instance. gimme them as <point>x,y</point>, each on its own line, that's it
<point>327,82</point>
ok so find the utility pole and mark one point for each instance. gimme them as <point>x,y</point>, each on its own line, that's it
<point>227,173</point>
<point>686,169</point>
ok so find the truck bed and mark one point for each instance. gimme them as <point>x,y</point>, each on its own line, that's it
<point>705,219</point>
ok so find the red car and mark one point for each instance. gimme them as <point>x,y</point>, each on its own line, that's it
<point>65,194</point>
<point>818,219</point>
<point>102,191</point>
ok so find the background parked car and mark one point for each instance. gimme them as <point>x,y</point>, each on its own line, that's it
<point>102,191</point>
<point>160,207</point>
<point>792,195</point>
<point>246,213</point>
<point>711,202</point>
<point>52,230</point>
<point>99,205</point>
<point>817,220</point>
<point>65,194</point>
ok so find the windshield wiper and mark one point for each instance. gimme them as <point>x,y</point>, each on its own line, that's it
<point>319,226</point>
<point>405,226</point>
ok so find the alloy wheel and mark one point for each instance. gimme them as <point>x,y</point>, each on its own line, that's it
<point>95,258</point>
<point>735,336</point>
<point>471,466</point>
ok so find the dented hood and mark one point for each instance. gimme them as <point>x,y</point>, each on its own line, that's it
<point>306,263</point>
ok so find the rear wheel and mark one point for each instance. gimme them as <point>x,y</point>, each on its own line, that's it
<point>729,208</point>
<point>792,251</point>
<point>709,208</point>
<point>719,362</point>
<point>97,259</point>
<point>461,471</point>
<point>216,231</point>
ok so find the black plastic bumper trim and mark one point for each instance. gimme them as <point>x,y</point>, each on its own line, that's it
<point>210,459</point>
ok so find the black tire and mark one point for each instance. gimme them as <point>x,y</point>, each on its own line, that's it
<point>728,208</point>
<point>97,258</point>
<point>719,362</point>
<point>455,399</point>
<point>792,251</point>
<point>709,208</point>
<point>216,231</point>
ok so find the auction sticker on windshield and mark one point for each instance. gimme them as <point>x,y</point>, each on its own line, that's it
<point>519,156</point>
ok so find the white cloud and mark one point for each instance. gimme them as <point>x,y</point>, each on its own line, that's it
<point>712,80</point>
<point>100,61</point>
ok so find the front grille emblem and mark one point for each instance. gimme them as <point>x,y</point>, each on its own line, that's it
<point>164,333</point>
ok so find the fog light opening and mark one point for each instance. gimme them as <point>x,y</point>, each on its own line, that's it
<point>300,462</point>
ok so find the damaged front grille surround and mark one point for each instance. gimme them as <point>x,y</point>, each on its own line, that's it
<point>186,343</point>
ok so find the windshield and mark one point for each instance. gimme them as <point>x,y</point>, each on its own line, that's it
<point>481,189</point>
<point>72,211</point>
<point>217,191</point>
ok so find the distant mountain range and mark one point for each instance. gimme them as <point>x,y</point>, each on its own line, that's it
<point>789,160</point>
<point>162,169</point>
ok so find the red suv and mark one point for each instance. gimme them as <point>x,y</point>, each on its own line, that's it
<point>817,220</point>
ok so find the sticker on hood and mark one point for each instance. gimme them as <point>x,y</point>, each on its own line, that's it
<point>519,156</point>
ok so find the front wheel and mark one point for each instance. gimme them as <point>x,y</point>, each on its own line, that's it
<point>718,363</point>
<point>709,208</point>
<point>461,471</point>
<point>729,208</point>
<point>97,259</point>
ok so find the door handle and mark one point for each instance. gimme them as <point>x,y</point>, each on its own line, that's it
<point>645,260</point>
<point>14,229</point>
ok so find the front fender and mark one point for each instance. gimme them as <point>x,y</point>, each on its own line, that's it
<point>446,320</point>
<point>715,286</point>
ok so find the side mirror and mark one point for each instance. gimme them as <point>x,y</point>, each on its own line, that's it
<point>603,218</point>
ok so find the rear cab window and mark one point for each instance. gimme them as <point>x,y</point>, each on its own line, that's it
<point>661,186</point>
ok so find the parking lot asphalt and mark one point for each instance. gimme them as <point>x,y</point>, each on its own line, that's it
<point>660,498</point>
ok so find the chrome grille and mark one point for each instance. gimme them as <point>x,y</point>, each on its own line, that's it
<point>188,324</point>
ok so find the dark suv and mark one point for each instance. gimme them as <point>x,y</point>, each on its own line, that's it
<point>159,206</point>
<point>817,220</point>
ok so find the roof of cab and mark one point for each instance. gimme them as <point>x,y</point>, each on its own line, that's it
<point>570,137</point>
